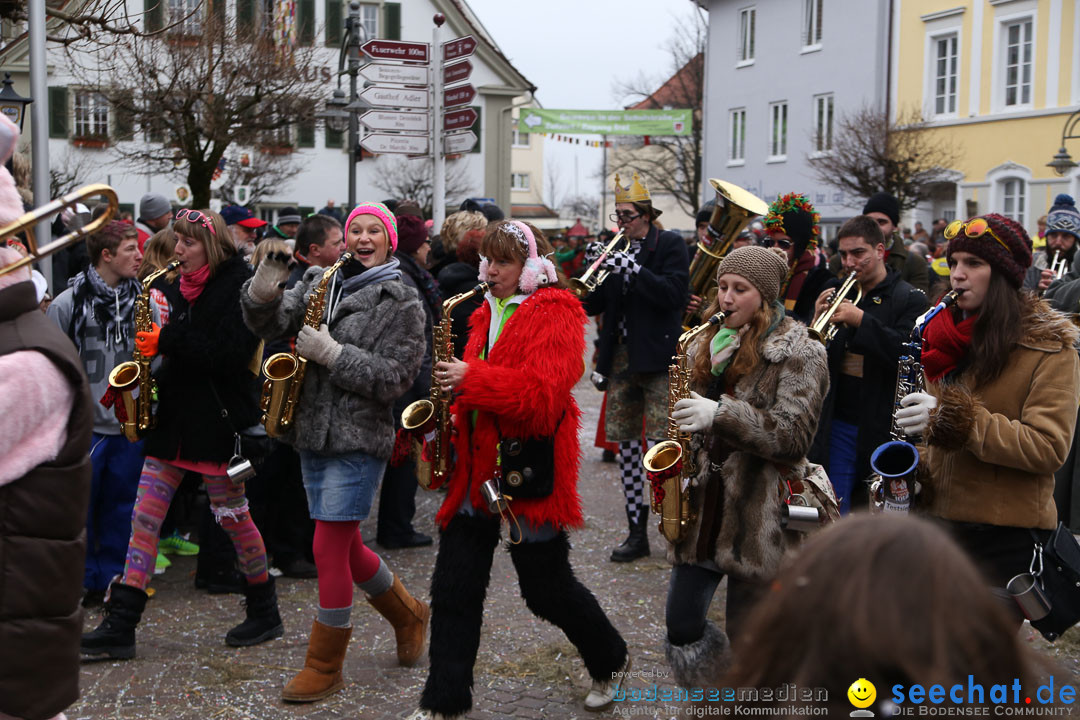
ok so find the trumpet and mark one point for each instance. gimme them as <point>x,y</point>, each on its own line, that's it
<point>26,223</point>
<point>821,329</point>
<point>1059,266</point>
<point>594,277</point>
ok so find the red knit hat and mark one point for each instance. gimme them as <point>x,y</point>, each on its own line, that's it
<point>1011,257</point>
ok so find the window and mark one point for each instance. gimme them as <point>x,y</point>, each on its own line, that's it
<point>187,14</point>
<point>1018,63</point>
<point>519,181</point>
<point>812,22</point>
<point>747,20</point>
<point>945,72</point>
<point>737,144</point>
<point>369,18</point>
<point>520,139</point>
<point>91,115</point>
<point>1013,196</point>
<point>778,131</point>
<point>823,123</point>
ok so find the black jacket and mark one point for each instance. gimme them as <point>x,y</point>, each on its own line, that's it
<point>297,273</point>
<point>206,351</point>
<point>818,280</point>
<point>653,305</point>
<point>890,310</point>
<point>454,279</point>
<point>411,275</point>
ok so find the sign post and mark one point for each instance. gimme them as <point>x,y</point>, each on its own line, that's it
<point>438,193</point>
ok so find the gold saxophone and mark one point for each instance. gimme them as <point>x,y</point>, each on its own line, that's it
<point>430,418</point>
<point>285,371</point>
<point>670,464</point>
<point>137,415</point>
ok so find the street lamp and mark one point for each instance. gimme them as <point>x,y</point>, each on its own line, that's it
<point>1063,162</point>
<point>336,114</point>
<point>12,103</point>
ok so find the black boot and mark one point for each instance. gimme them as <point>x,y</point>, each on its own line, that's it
<point>115,636</point>
<point>263,621</point>
<point>636,544</point>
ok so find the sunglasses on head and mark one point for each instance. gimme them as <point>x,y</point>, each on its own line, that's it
<point>774,242</point>
<point>974,228</point>
<point>197,217</point>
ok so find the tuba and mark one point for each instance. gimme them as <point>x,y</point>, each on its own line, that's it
<point>594,277</point>
<point>285,371</point>
<point>669,464</point>
<point>892,485</point>
<point>821,329</point>
<point>429,420</point>
<point>735,209</point>
<point>135,413</point>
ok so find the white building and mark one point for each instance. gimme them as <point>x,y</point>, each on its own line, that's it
<point>79,121</point>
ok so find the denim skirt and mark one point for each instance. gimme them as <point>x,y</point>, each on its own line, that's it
<point>340,487</point>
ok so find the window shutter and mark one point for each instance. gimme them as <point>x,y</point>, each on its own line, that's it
<point>58,112</point>
<point>123,122</point>
<point>392,21</point>
<point>305,134</point>
<point>154,19</point>
<point>334,139</point>
<point>476,129</point>
<point>333,22</point>
<point>245,18</point>
<point>218,11</point>
<point>305,22</point>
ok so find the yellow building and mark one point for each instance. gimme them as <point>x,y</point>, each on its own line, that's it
<point>998,78</point>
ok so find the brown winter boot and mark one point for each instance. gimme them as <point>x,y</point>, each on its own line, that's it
<point>408,616</point>
<point>321,675</point>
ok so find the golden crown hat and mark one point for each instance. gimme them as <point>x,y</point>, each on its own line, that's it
<point>637,192</point>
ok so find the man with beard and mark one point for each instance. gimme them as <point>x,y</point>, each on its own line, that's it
<point>1062,230</point>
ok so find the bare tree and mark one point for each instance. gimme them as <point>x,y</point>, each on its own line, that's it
<point>262,173</point>
<point>67,173</point>
<point>672,165</point>
<point>586,207</point>
<point>96,21</point>
<point>554,182</point>
<point>198,92</point>
<point>871,154</point>
<point>412,179</point>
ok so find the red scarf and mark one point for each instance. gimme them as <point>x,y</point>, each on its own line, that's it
<point>192,284</point>
<point>944,343</point>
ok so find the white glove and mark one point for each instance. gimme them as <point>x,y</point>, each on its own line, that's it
<point>270,278</point>
<point>317,345</point>
<point>914,413</point>
<point>694,413</point>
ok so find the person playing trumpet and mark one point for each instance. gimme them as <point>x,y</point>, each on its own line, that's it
<point>862,360</point>
<point>1062,231</point>
<point>758,383</point>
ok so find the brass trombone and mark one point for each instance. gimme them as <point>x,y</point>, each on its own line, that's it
<point>27,222</point>
<point>821,329</point>
<point>594,277</point>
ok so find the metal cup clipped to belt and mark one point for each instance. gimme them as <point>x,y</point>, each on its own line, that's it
<point>1026,590</point>
<point>240,468</point>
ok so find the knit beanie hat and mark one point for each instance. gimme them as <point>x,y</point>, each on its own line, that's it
<point>380,211</point>
<point>1011,257</point>
<point>885,204</point>
<point>411,233</point>
<point>764,268</point>
<point>794,216</point>
<point>288,215</point>
<point>1063,216</point>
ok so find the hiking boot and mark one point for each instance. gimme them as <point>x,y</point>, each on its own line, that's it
<point>115,636</point>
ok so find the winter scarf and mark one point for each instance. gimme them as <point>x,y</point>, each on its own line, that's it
<point>357,276</point>
<point>192,284</point>
<point>111,307</point>
<point>944,344</point>
<point>723,347</point>
<point>802,268</point>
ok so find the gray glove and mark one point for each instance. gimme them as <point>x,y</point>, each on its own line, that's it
<point>270,277</point>
<point>317,345</point>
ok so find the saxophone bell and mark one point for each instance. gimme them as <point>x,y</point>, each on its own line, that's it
<point>124,378</point>
<point>280,371</point>
<point>419,418</point>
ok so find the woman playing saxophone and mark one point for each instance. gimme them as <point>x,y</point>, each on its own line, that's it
<point>757,387</point>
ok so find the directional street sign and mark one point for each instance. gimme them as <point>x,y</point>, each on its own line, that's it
<point>460,95</point>
<point>386,120</point>
<point>458,48</point>
<point>399,74</point>
<point>457,119</point>
<point>388,143</point>
<point>459,142</point>
<point>457,72</point>
<point>396,97</point>
<point>397,50</point>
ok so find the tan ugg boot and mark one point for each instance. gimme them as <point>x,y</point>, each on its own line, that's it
<point>321,675</point>
<point>409,618</point>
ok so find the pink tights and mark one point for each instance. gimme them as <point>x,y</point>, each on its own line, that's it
<point>342,559</point>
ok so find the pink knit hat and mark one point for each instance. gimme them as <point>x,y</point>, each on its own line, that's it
<point>383,213</point>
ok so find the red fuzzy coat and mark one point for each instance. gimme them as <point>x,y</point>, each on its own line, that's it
<point>526,385</point>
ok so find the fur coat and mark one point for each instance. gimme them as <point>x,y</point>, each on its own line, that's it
<point>993,450</point>
<point>348,406</point>
<point>524,386</point>
<point>769,422</point>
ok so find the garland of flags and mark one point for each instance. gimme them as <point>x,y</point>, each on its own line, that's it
<point>587,143</point>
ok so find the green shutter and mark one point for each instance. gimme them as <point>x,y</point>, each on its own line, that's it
<point>392,21</point>
<point>218,11</point>
<point>123,121</point>
<point>334,23</point>
<point>305,210</point>
<point>305,22</point>
<point>476,129</point>
<point>334,139</point>
<point>58,112</point>
<point>154,14</point>
<point>305,134</point>
<point>245,18</point>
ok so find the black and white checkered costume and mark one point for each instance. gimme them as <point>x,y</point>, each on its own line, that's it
<point>633,478</point>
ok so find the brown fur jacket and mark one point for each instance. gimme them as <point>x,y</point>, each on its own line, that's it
<point>993,450</point>
<point>769,420</point>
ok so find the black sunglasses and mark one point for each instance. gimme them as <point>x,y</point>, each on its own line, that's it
<point>782,244</point>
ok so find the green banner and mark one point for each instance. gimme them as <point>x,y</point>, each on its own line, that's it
<point>606,122</point>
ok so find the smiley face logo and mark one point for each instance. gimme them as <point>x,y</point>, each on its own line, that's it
<point>862,693</point>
